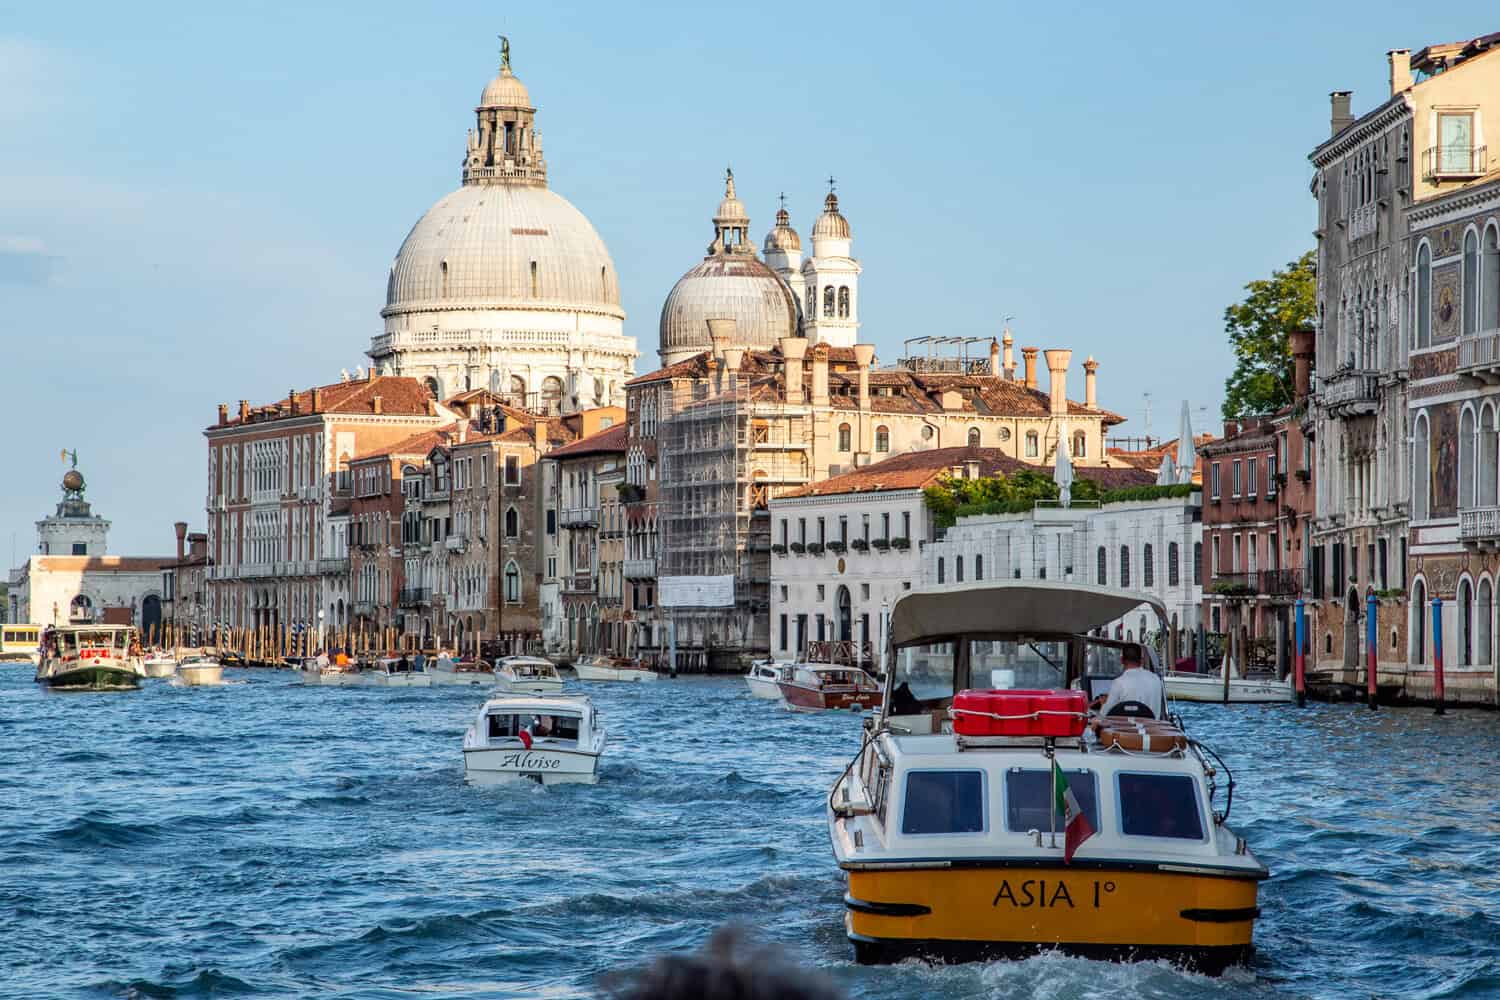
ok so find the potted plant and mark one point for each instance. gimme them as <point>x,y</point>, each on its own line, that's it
<point>778,549</point>
<point>860,545</point>
<point>815,548</point>
<point>903,543</point>
<point>838,547</point>
<point>798,548</point>
<point>881,543</point>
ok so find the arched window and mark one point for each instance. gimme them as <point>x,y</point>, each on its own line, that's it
<point>1148,567</point>
<point>843,302</point>
<point>1471,282</point>
<point>940,569</point>
<point>828,302</point>
<point>1489,281</point>
<point>518,390</point>
<point>973,437</point>
<point>958,569</point>
<point>1424,297</point>
<point>494,382</point>
<point>1485,489</point>
<point>845,606</point>
<point>1103,574</point>
<point>845,435</point>
<point>1033,448</point>
<point>81,609</point>
<point>1124,565</point>
<point>1419,622</point>
<point>1174,575</point>
<point>1080,444</point>
<point>1465,624</point>
<point>882,438</point>
<point>433,386</point>
<point>444,269</point>
<point>512,523</point>
<point>1466,446</point>
<point>979,567</point>
<point>552,392</point>
<point>1484,620</point>
<point>512,584</point>
<point>1420,482</point>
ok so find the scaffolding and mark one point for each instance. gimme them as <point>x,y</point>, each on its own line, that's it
<point>723,456</point>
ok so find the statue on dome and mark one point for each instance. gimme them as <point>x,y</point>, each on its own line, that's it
<point>504,54</point>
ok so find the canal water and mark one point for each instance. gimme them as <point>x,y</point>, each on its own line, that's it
<point>266,839</point>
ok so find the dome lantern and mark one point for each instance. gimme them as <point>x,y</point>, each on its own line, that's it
<point>503,146</point>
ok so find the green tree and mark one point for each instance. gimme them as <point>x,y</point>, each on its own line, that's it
<point>1260,330</point>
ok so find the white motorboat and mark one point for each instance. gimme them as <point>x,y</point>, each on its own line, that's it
<point>982,820</point>
<point>391,671</point>
<point>765,677</point>
<point>159,664</point>
<point>527,675</point>
<point>200,670</point>
<point>445,670</point>
<point>311,670</point>
<point>549,740</point>
<point>598,667</point>
<point>1266,690</point>
<point>91,657</point>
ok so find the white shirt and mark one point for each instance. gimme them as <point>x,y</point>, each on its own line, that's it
<point>1137,684</point>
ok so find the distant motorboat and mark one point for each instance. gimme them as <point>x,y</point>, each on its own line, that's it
<point>311,670</point>
<point>598,667</point>
<point>445,670</point>
<point>389,671</point>
<point>765,677</point>
<point>818,687</point>
<point>549,740</point>
<point>527,675</point>
<point>159,664</point>
<point>1253,690</point>
<point>200,670</point>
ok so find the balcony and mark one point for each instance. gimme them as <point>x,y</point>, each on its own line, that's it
<point>365,609</point>
<point>1362,221</point>
<point>640,569</point>
<point>1479,355</point>
<point>456,543</point>
<point>1480,526</point>
<point>1281,582</point>
<point>1454,163</point>
<point>330,567</point>
<point>1352,392</point>
<point>581,583</point>
<point>415,597</point>
<point>578,517</point>
<point>1275,583</point>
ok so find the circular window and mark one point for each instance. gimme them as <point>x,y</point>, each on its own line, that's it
<point>1005,434</point>
<point>926,432</point>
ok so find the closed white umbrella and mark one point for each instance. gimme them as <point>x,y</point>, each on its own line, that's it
<point>1187,455</point>
<point>1062,471</point>
<point>1167,476</point>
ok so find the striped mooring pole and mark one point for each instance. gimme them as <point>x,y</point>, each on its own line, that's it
<point>1372,638</point>
<point>1301,660</point>
<point>1437,652</point>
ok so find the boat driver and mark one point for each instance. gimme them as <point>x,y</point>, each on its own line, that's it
<point>1135,683</point>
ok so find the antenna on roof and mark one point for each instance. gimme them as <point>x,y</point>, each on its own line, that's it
<point>1148,418</point>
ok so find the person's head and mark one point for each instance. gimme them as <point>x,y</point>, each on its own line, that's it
<point>1131,656</point>
<point>728,968</point>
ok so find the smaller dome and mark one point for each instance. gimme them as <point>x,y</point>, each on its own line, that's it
<point>731,209</point>
<point>783,237</point>
<point>505,91</point>
<point>72,481</point>
<point>831,225</point>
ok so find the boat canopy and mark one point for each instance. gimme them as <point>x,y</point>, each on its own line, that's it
<point>1009,608</point>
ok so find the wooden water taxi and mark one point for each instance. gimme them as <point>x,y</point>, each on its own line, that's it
<point>599,667</point>
<point>987,815</point>
<point>821,687</point>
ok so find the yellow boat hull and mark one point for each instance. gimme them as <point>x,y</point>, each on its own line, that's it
<point>1130,912</point>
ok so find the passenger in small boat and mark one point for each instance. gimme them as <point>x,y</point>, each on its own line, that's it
<point>322,660</point>
<point>1135,683</point>
<point>420,663</point>
<point>403,665</point>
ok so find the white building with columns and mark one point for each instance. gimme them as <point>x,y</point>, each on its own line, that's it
<point>503,284</point>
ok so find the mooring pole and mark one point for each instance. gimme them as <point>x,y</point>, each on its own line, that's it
<point>1437,652</point>
<point>1301,660</point>
<point>1372,639</point>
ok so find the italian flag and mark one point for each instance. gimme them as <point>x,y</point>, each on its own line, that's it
<point>1076,828</point>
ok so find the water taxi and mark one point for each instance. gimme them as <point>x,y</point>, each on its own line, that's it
<point>549,740</point>
<point>393,671</point>
<point>21,644</point>
<point>765,677</point>
<point>988,815</point>
<point>599,667</point>
<point>91,657</point>
<point>820,687</point>
<point>527,675</point>
<point>446,670</point>
<point>200,670</point>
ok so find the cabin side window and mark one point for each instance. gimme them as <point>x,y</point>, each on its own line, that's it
<point>882,792</point>
<point>1159,805</point>
<point>1029,801</point>
<point>943,802</point>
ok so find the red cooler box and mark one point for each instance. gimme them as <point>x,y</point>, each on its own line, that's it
<point>1023,704</point>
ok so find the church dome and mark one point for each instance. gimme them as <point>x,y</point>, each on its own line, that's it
<point>831,225</point>
<point>488,246</point>
<point>727,286</point>
<point>783,237</point>
<point>505,91</point>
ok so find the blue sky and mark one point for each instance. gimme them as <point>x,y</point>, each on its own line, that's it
<point>199,202</point>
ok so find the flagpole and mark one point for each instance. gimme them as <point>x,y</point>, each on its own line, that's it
<point>1052,805</point>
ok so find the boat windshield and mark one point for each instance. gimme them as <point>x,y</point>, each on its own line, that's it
<point>541,726</point>
<point>117,639</point>
<point>1027,663</point>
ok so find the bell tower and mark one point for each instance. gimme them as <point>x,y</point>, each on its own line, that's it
<point>830,279</point>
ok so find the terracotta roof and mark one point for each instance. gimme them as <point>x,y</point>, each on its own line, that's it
<point>608,441</point>
<point>419,443</point>
<point>399,396</point>
<point>97,564</point>
<point>917,469</point>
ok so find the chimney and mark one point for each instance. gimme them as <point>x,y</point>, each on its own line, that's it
<point>1400,62</point>
<point>1091,383</point>
<point>1010,354</point>
<point>721,333</point>
<point>370,375</point>
<point>1028,354</point>
<point>1057,368</point>
<point>820,375</point>
<point>223,414</point>
<point>181,527</point>
<point>317,400</point>
<point>864,356</point>
<point>291,395</point>
<point>1304,345</point>
<point>539,435</point>
<point>994,356</point>
<point>377,404</point>
<point>734,357</point>
<point>793,349</point>
<point>244,411</point>
<point>1230,429</point>
<point>1339,115</point>
<point>463,430</point>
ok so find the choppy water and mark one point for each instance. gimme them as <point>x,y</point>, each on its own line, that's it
<point>266,839</point>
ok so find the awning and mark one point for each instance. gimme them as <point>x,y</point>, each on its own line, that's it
<point>1024,607</point>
